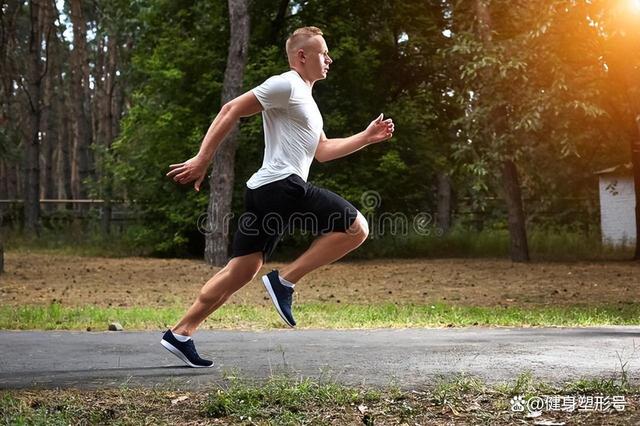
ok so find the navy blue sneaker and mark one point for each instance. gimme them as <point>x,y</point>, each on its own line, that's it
<point>186,351</point>
<point>281,296</point>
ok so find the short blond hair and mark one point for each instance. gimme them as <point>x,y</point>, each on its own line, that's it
<point>298,38</point>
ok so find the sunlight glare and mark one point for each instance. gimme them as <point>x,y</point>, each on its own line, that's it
<point>635,5</point>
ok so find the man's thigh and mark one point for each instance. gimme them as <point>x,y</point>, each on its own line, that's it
<point>322,211</point>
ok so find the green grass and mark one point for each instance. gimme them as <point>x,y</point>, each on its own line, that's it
<point>318,315</point>
<point>552,244</point>
<point>75,241</point>
<point>454,392</point>
<point>15,412</point>
<point>120,407</point>
<point>282,400</point>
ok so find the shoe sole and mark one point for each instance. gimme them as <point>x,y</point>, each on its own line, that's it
<point>274,299</point>
<point>168,346</point>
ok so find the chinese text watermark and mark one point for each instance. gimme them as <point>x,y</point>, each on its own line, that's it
<point>568,403</point>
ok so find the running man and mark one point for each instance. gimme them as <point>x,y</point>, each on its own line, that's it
<point>278,192</point>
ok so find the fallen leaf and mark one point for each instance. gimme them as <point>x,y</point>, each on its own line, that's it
<point>179,399</point>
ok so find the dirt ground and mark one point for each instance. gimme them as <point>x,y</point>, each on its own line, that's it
<point>41,278</point>
<point>179,407</point>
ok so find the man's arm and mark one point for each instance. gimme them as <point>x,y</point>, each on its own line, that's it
<point>329,149</point>
<point>195,168</point>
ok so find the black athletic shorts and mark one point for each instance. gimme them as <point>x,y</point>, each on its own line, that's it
<point>280,207</point>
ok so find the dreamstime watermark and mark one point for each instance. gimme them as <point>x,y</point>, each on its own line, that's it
<point>568,403</point>
<point>380,224</point>
<point>395,223</point>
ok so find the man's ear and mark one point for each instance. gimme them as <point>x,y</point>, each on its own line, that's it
<point>301,55</point>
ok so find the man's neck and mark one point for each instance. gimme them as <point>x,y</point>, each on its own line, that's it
<point>307,81</point>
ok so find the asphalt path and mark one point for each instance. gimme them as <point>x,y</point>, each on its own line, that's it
<point>408,358</point>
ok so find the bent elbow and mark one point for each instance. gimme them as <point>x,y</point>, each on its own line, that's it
<point>321,157</point>
<point>227,109</point>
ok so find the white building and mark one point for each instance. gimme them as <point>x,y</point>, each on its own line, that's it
<point>617,205</point>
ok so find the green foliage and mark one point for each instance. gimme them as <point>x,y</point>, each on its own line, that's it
<point>533,88</point>
<point>544,87</point>
<point>388,71</point>
<point>178,64</point>
<point>177,67</point>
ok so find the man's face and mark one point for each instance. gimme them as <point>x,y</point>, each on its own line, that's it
<point>317,58</point>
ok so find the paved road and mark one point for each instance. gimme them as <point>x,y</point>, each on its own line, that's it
<point>407,358</point>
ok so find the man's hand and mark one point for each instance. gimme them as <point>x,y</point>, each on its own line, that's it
<point>193,169</point>
<point>379,130</point>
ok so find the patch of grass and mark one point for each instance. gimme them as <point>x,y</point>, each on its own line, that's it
<point>603,386</point>
<point>545,243</point>
<point>57,317</point>
<point>468,394</point>
<point>278,400</point>
<point>286,400</point>
<point>524,385</point>
<point>17,412</point>
<point>76,241</point>
<point>447,391</point>
<point>552,244</point>
<point>66,407</point>
<point>568,244</point>
<point>317,315</point>
<point>443,315</point>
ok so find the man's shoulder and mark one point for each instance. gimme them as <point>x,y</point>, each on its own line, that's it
<point>285,76</point>
<point>279,80</point>
<point>275,92</point>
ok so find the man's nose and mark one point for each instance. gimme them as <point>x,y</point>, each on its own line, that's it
<point>328,60</point>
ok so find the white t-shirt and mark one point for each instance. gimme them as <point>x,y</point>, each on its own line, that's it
<point>292,126</point>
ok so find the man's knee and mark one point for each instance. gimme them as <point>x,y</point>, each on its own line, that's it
<point>359,228</point>
<point>245,268</point>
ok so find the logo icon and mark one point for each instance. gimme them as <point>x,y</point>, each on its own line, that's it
<point>517,403</point>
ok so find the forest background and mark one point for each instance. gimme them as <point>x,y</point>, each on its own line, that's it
<point>504,112</point>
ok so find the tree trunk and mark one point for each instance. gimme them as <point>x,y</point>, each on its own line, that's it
<point>8,63</point>
<point>4,177</point>
<point>8,74</point>
<point>100,116</point>
<point>443,218</point>
<point>1,247</point>
<point>279,21</point>
<point>9,15</point>
<point>110,131</point>
<point>31,178</point>
<point>65,147</point>
<point>49,125</point>
<point>12,181</point>
<point>36,69</point>
<point>80,94</point>
<point>222,176</point>
<point>519,249</point>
